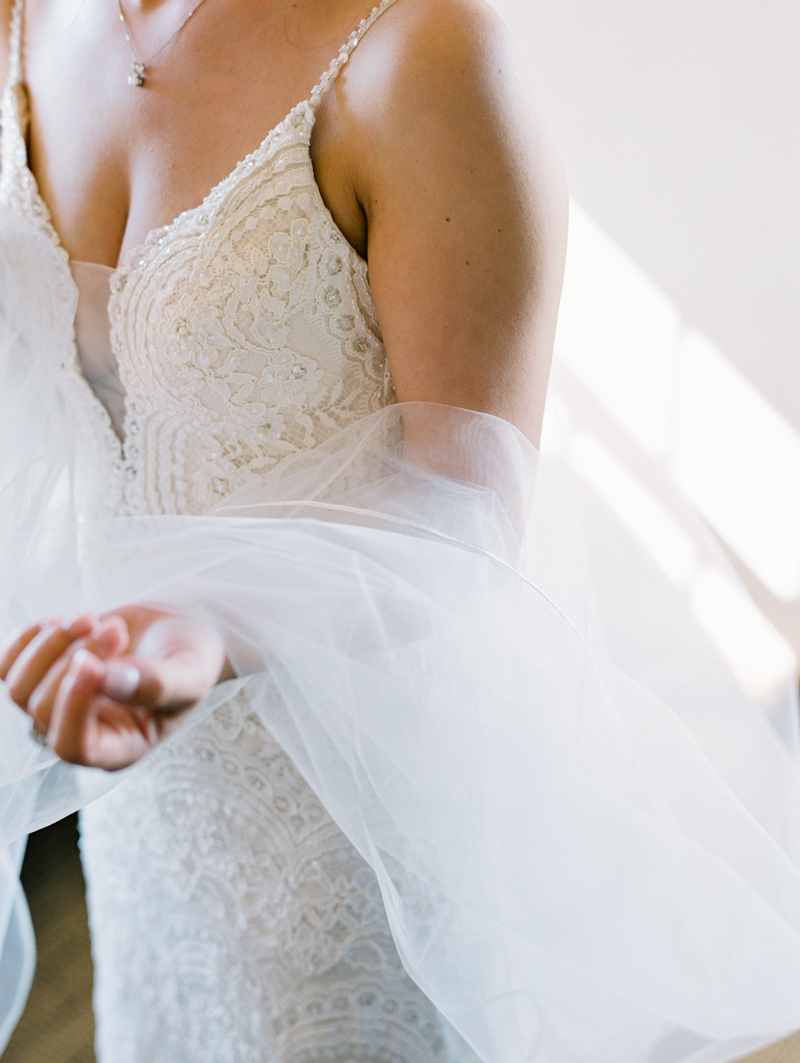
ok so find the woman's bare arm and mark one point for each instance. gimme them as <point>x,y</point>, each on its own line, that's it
<point>465,201</point>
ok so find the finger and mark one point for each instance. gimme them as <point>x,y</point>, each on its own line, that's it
<point>82,681</point>
<point>114,737</point>
<point>110,637</point>
<point>172,682</point>
<point>41,653</point>
<point>10,654</point>
<point>88,728</point>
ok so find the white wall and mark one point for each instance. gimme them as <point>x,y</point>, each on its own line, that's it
<point>679,125</point>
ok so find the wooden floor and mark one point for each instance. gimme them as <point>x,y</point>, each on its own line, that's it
<point>57,1026</point>
<point>784,1052</point>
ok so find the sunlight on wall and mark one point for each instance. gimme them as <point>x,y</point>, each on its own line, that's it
<point>747,639</point>
<point>739,462</point>
<point>670,547</point>
<point>756,652</point>
<point>667,401</point>
<point>618,332</point>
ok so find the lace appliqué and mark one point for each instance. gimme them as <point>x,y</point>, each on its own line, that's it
<point>245,332</point>
<point>268,941</point>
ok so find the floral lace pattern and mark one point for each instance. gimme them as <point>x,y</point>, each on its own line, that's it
<point>232,921</point>
<point>261,318</point>
<point>252,929</point>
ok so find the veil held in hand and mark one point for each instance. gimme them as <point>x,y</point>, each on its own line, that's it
<point>586,835</point>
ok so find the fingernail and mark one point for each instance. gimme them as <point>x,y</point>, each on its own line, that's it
<point>107,632</point>
<point>122,680</point>
<point>80,625</point>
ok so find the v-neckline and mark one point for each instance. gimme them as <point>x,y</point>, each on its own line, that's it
<point>127,265</point>
<point>116,443</point>
<point>16,97</point>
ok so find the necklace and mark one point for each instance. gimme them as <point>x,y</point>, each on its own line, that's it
<point>137,76</point>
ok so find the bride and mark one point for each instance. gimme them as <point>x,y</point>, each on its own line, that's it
<point>410,152</point>
<point>421,158</point>
<point>274,518</point>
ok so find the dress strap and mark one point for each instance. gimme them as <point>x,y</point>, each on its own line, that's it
<point>15,45</point>
<point>348,47</point>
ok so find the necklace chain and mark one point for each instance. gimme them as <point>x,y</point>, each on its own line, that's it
<point>136,78</point>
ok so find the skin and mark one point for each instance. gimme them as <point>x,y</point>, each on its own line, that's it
<point>433,168</point>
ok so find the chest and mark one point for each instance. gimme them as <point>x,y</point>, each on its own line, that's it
<point>115,162</point>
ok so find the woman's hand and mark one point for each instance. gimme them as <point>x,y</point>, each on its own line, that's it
<point>104,690</point>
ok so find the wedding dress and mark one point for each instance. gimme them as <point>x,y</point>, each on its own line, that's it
<point>231,919</point>
<point>459,805</point>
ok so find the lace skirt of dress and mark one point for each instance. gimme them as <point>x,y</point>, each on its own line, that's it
<point>233,922</point>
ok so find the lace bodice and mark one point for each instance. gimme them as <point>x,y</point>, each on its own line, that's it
<point>232,921</point>
<point>290,352</point>
<point>244,330</point>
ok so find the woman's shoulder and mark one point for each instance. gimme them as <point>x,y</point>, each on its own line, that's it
<point>436,68</point>
<point>424,42</point>
<point>456,21</point>
<point>462,190</point>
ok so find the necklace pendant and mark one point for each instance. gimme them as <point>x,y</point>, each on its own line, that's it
<point>136,79</point>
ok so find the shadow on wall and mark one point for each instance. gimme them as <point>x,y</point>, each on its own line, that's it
<point>642,402</point>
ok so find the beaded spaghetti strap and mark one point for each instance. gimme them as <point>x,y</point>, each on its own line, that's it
<point>347,50</point>
<point>15,45</point>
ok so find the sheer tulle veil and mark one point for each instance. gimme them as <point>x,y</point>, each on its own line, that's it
<point>586,834</point>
